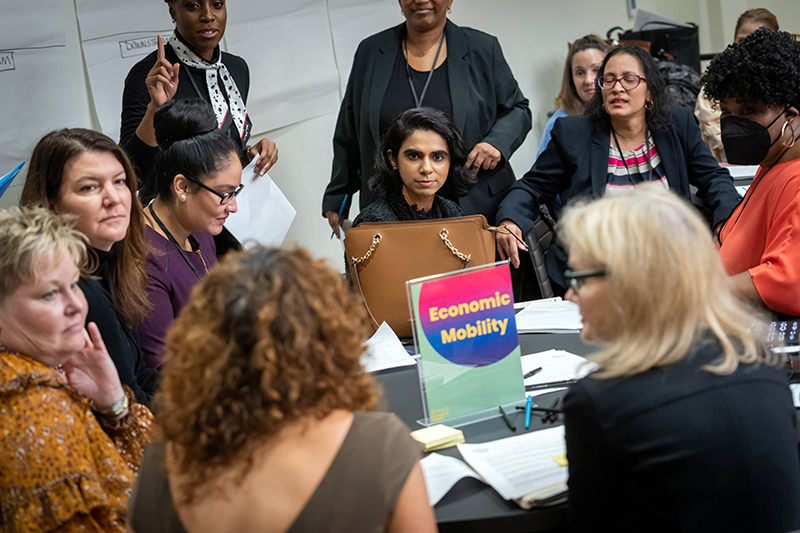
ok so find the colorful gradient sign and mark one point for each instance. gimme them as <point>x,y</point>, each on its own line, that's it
<point>467,336</point>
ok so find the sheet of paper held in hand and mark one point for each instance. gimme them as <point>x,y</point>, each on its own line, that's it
<point>516,466</point>
<point>552,314</point>
<point>556,365</point>
<point>264,214</point>
<point>442,473</point>
<point>384,350</point>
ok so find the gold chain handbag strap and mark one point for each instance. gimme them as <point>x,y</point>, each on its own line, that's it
<point>464,257</point>
<point>375,242</point>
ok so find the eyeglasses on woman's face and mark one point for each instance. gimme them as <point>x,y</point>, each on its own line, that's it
<point>628,82</point>
<point>575,280</point>
<point>224,198</point>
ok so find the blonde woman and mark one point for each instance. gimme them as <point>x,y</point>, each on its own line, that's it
<point>687,420</point>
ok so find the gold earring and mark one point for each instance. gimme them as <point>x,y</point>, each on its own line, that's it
<point>648,105</point>
<point>794,135</point>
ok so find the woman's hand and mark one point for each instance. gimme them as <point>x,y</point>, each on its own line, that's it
<point>508,245</point>
<point>267,153</point>
<point>92,372</point>
<point>483,156</point>
<point>162,80</point>
<point>333,220</point>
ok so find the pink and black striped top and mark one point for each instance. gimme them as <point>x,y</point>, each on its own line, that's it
<point>642,167</point>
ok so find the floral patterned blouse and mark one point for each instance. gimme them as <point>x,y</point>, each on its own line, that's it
<point>61,468</point>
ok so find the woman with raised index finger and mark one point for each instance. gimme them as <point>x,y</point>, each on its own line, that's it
<point>190,65</point>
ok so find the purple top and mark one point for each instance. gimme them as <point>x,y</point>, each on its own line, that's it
<point>171,282</point>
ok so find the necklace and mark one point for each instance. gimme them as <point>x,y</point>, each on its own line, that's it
<point>418,99</point>
<point>416,50</point>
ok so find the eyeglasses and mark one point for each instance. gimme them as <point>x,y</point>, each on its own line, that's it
<point>628,82</point>
<point>575,279</point>
<point>224,198</point>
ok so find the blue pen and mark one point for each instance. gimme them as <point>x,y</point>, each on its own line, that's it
<point>341,210</point>
<point>528,406</point>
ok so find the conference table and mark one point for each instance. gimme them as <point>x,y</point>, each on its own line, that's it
<point>471,505</point>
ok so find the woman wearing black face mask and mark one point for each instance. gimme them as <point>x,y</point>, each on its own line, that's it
<point>757,85</point>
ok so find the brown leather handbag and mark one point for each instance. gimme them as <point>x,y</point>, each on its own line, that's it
<point>382,256</point>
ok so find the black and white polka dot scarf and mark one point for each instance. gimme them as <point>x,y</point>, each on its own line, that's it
<point>237,110</point>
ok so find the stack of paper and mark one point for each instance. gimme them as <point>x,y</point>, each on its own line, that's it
<point>556,365</point>
<point>551,315</point>
<point>438,437</point>
<point>795,393</point>
<point>442,473</point>
<point>384,350</point>
<point>518,466</point>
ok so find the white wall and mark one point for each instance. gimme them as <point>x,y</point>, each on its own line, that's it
<point>533,34</point>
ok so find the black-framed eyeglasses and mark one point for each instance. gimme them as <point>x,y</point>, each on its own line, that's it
<point>575,279</point>
<point>628,82</point>
<point>224,198</point>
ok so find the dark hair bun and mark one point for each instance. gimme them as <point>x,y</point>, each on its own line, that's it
<point>181,119</point>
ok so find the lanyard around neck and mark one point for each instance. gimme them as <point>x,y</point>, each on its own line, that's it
<point>172,240</point>
<point>647,155</point>
<point>418,99</point>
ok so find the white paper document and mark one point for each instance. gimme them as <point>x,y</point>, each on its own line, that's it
<point>35,86</point>
<point>442,473</point>
<point>742,189</point>
<point>519,465</point>
<point>384,350</point>
<point>795,393</point>
<point>556,365</point>
<point>114,37</point>
<point>548,315</point>
<point>264,214</point>
<point>742,171</point>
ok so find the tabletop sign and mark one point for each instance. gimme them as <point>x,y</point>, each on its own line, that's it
<point>466,336</point>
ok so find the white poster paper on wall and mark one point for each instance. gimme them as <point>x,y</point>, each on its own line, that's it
<point>34,81</point>
<point>352,21</point>
<point>115,35</point>
<point>287,46</point>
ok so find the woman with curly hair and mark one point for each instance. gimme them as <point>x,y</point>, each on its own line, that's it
<point>708,115</point>
<point>264,406</point>
<point>420,169</point>
<point>757,85</point>
<point>628,136</point>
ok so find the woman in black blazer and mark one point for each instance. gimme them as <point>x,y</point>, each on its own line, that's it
<point>471,81</point>
<point>688,422</point>
<point>630,114</point>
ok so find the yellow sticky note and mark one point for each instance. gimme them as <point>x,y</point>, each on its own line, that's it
<point>561,459</point>
<point>437,436</point>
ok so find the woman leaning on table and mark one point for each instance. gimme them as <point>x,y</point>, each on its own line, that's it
<point>428,61</point>
<point>72,436</point>
<point>688,421</point>
<point>757,85</point>
<point>267,412</point>
<point>628,136</point>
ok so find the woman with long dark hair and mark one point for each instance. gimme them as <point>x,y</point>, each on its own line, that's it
<point>629,135</point>
<point>83,173</point>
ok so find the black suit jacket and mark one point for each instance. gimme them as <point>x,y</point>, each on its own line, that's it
<point>677,448</point>
<point>575,164</point>
<point>487,107</point>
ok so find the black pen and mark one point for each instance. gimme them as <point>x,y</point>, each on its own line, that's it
<point>542,409</point>
<point>510,424</point>
<point>550,385</point>
<point>532,373</point>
